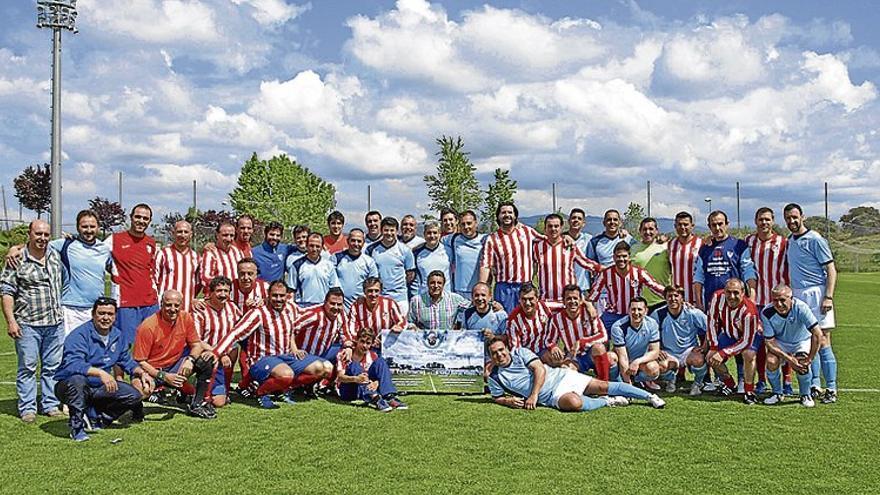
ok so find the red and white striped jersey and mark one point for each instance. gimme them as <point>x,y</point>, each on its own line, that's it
<point>510,255</point>
<point>682,256</point>
<point>530,333</point>
<point>385,315</point>
<point>269,332</point>
<point>623,288</point>
<point>582,331</point>
<point>555,263</point>
<point>214,324</point>
<point>316,331</point>
<point>342,363</point>
<point>245,300</point>
<point>219,262</point>
<point>175,270</point>
<point>770,264</point>
<point>741,323</point>
<point>244,247</point>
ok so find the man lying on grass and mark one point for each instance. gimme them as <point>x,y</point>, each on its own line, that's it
<point>521,381</point>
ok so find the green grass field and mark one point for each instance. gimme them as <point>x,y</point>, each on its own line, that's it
<point>467,444</point>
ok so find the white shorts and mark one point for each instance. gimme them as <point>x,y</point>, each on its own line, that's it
<point>813,296</point>
<point>789,348</point>
<point>682,357</point>
<point>74,317</point>
<point>572,381</point>
<point>404,308</point>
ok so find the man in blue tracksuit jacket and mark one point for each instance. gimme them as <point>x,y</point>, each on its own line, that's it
<point>721,259</point>
<point>85,379</point>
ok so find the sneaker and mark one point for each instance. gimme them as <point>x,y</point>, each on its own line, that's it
<point>397,404</point>
<point>616,401</point>
<point>92,425</point>
<point>56,413</point>
<point>249,391</point>
<point>28,417</point>
<point>266,402</point>
<point>670,387</point>
<point>787,390</point>
<point>157,397</point>
<point>830,396</point>
<point>773,400</point>
<point>709,387</point>
<point>741,387</point>
<point>656,402</point>
<point>288,398</point>
<point>807,401</point>
<point>382,405</point>
<point>725,391</point>
<point>815,392</point>
<point>695,390</point>
<point>651,385</point>
<point>324,391</point>
<point>201,411</point>
<point>750,398</point>
<point>760,388</point>
<point>79,436</point>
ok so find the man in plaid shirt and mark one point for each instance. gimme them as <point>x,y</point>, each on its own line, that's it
<point>436,308</point>
<point>32,306</point>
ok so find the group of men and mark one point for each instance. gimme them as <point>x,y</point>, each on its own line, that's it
<point>309,315</point>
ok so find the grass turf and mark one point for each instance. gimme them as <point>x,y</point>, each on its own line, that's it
<point>468,445</point>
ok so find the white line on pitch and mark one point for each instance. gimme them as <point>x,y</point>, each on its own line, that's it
<point>432,384</point>
<point>868,390</point>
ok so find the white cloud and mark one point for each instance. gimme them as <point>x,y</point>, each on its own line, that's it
<point>153,21</point>
<point>274,12</point>
<point>174,175</point>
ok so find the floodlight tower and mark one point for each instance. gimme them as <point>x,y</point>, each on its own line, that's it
<point>57,15</point>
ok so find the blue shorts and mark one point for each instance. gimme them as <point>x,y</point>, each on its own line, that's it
<point>507,294</point>
<point>262,369</point>
<point>585,361</point>
<point>609,319</point>
<point>219,386</point>
<point>128,320</point>
<point>330,354</point>
<point>174,367</point>
<point>725,341</point>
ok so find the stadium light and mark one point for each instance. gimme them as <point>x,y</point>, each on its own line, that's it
<point>708,200</point>
<point>56,15</point>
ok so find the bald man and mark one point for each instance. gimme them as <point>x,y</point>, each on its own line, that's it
<point>31,295</point>
<point>177,266</point>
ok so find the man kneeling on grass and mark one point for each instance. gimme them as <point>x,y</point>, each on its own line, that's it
<point>521,381</point>
<point>365,376</point>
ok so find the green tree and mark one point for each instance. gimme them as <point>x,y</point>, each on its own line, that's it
<point>33,188</point>
<point>861,220</point>
<point>632,217</point>
<point>283,190</point>
<point>821,225</point>
<point>455,185</point>
<point>502,189</point>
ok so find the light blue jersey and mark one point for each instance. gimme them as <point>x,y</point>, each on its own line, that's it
<point>427,260</point>
<point>680,333</point>
<point>393,263</point>
<point>517,379</point>
<point>791,328</point>
<point>311,279</point>
<point>582,275</point>
<point>807,256</point>
<point>82,270</point>
<point>413,243</point>
<point>636,340</point>
<point>467,318</point>
<point>352,272</point>
<point>601,248</point>
<point>464,256</point>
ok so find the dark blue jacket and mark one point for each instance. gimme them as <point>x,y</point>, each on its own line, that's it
<point>270,261</point>
<point>84,349</point>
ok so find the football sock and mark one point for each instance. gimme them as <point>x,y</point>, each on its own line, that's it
<point>699,372</point>
<point>775,379</point>
<point>786,373</point>
<point>592,403</point>
<point>227,373</point>
<point>603,367</point>
<point>761,364</point>
<point>627,390</point>
<point>816,371</point>
<point>749,388</point>
<point>303,379</point>
<point>739,367</point>
<point>728,380</point>
<point>187,388</point>
<point>829,367</point>
<point>805,381</point>
<point>275,384</point>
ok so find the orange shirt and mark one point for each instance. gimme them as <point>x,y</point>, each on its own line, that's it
<point>160,343</point>
<point>334,246</point>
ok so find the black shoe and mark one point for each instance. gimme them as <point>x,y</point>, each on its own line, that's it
<point>830,396</point>
<point>815,392</point>
<point>201,411</point>
<point>750,398</point>
<point>725,391</point>
<point>137,415</point>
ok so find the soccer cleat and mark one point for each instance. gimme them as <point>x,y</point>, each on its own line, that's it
<point>787,390</point>
<point>616,401</point>
<point>710,387</point>
<point>656,402</point>
<point>288,398</point>
<point>670,387</point>
<point>749,398</point>
<point>79,436</point>
<point>760,387</point>
<point>741,387</point>
<point>397,404</point>
<point>92,425</point>
<point>695,390</point>
<point>266,402</point>
<point>807,401</point>
<point>773,400</point>
<point>815,392</point>
<point>382,405</point>
<point>201,411</point>
<point>651,385</point>
<point>830,396</point>
<point>725,391</point>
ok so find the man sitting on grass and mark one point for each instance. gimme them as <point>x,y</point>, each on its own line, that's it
<point>85,379</point>
<point>520,380</point>
<point>363,375</point>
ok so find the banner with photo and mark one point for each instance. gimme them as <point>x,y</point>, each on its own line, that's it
<point>437,361</point>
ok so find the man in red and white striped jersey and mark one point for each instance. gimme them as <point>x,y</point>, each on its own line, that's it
<point>177,266</point>
<point>248,291</point>
<point>734,328</point>
<point>683,252</point>
<point>583,334</point>
<point>375,312</point>
<point>223,258</point>
<point>244,230</point>
<point>319,329</point>
<point>274,360</point>
<point>214,320</point>
<point>622,281</point>
<point>555,261</point>
<point>527,326</point>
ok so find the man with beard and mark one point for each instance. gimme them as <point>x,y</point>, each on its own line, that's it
<point>271,254</point>
<point>214,320</point>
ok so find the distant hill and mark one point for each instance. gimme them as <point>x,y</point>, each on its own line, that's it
<point>594,224</point>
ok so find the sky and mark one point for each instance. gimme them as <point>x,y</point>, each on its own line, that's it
<point>598,97</point>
